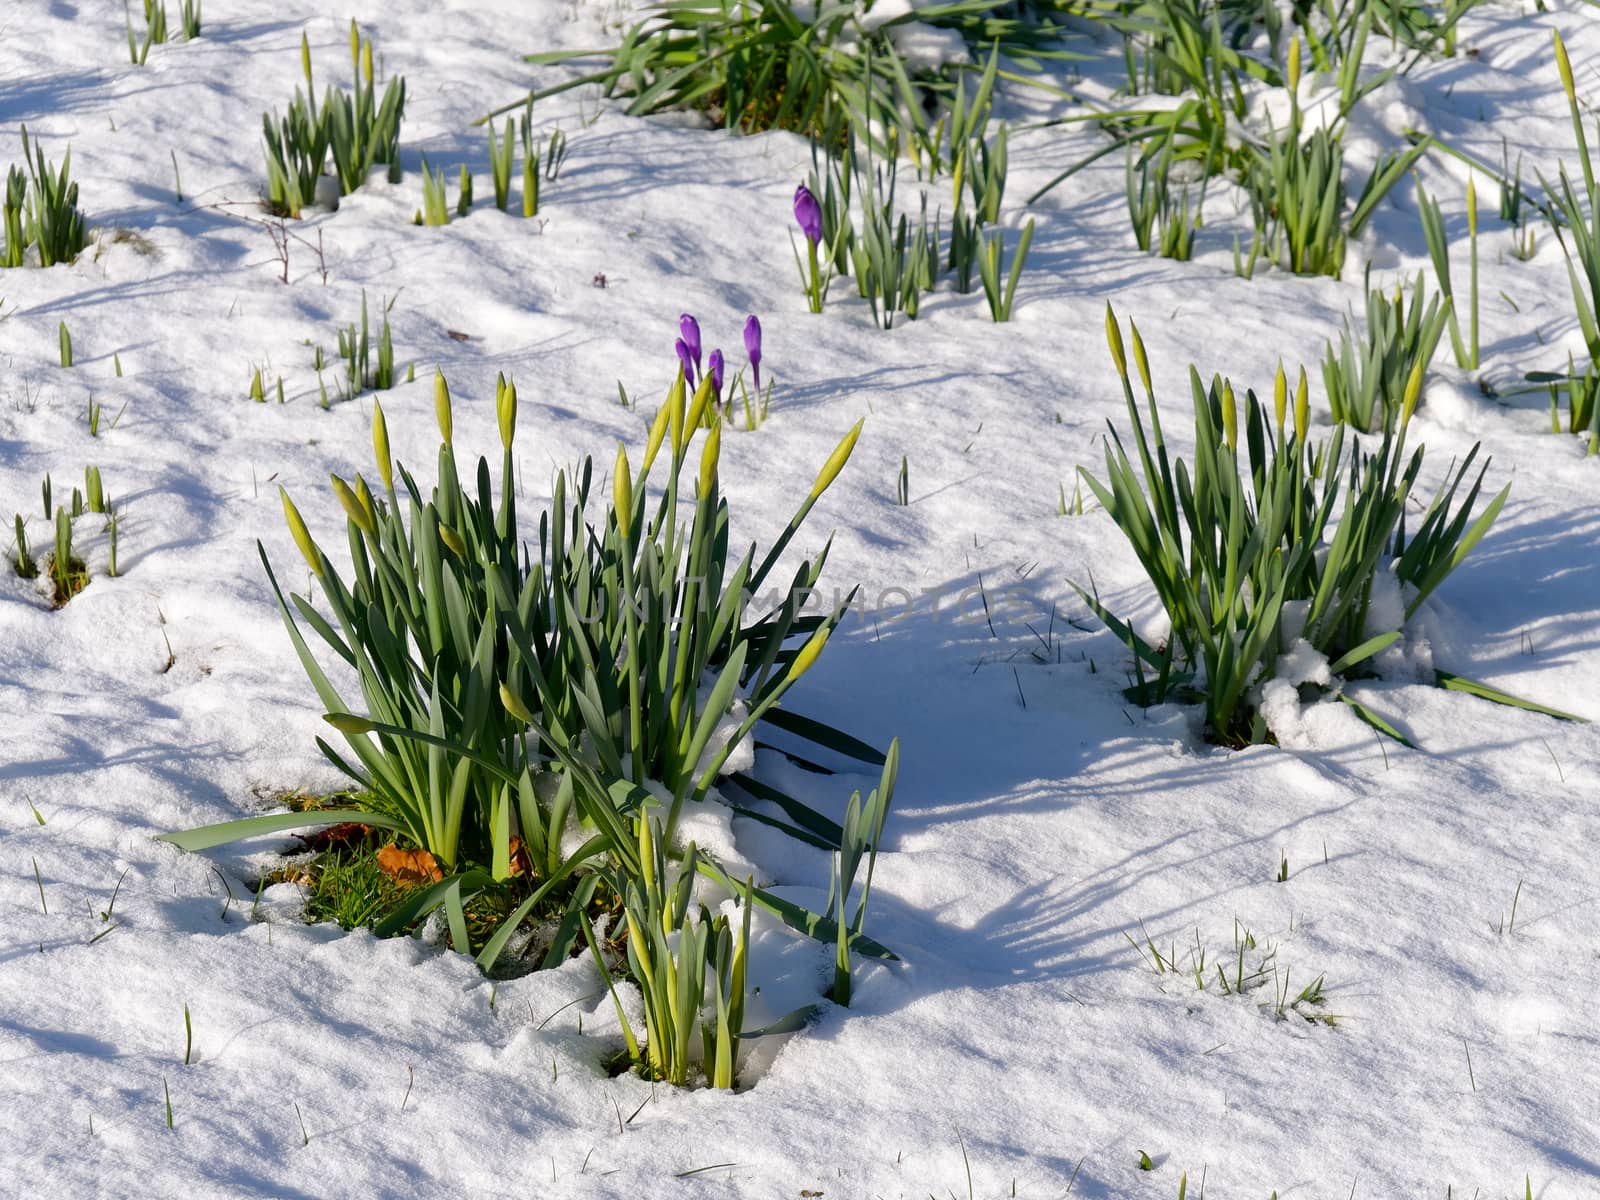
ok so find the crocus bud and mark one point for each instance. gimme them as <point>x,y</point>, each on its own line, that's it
<point>1230,415</point>
<point>1280,397</point>
<point>1294,64</point>
<point>752,346</point>
<point>441,404</point>
<point>715,371</point>
<point>305,61</point>
<point>808,214</point>
<point>686,357</point>
<point>1472,208</point>
<point>689,328</point>
<point>355,46</point>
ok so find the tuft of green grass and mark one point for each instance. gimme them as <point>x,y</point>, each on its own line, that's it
<point>348,887</point>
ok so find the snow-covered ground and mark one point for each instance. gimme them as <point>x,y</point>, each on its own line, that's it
<point>1040,819</point>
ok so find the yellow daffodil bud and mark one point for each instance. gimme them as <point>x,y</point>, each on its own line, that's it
<point>1114,340</point>
<point>804,660</point>
<point>453,542</point>
<point>622,489</point>
<point>441,404</point>
<point>836,461</point>
<point>505,402</point>
<point>1139,360</point>
<point>515,706</point>
<point>1412,395</point>
<point>658,431</point>
<point>709,454</point>
<point>302,536</point>
<point>697,406</point>
<point>353,508</point>
<point>1564,65</point>
<point>349,723</point>
<point>1302,407</point>
<point>675,410</point>
<point>380,445</point>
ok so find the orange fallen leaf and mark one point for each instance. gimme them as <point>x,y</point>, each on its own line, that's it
<point>409,866</point>
<point>521,862</point>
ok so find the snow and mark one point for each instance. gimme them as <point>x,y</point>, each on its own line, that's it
<point>1040,820</point>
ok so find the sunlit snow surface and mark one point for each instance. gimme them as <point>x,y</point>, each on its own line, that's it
<point>1039,817</point>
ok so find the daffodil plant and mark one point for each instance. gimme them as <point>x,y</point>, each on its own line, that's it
<point>1268,537</point>
<point>522,691</point>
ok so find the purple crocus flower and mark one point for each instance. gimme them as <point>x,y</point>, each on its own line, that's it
<point>752,346</point>
<point>715,371</point>
<point>808,213</point>
<point>687,360</point>
<point>690,328</point>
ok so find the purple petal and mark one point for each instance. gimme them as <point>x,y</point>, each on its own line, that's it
<point>752,346</point>
<point>687,360</point>
<point>690,328</point>
<point>808,213</point>
<point>716,372</point>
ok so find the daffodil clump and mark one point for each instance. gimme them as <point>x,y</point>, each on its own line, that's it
<point>39,209</point>
<point>358,128</point>
<point>1269,539</point>
<point>529,708</point>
